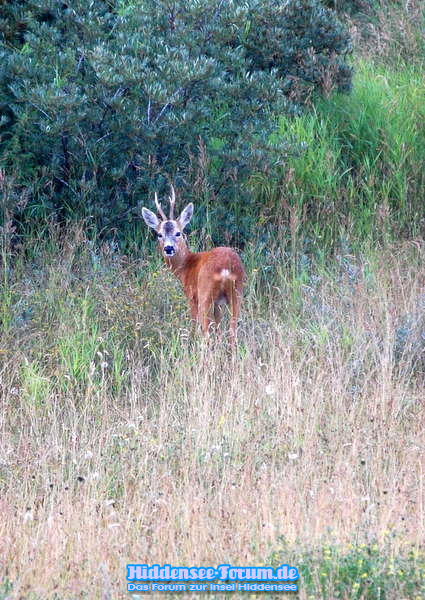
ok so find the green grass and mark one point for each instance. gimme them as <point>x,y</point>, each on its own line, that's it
<point>363,571</point>
<point>359,172</point>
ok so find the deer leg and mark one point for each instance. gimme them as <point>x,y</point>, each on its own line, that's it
<point>217,314</point>
<point>235,306</point>
<point>193,302</point>
<point>193,305</point>
<point>204,316</point>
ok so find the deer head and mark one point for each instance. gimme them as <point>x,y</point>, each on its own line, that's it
<point>169,231</point>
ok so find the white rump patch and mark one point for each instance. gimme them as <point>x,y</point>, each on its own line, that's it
<point>224,275</point>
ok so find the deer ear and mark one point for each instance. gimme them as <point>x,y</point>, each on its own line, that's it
<point>186,215</point>
<point>150,218</point>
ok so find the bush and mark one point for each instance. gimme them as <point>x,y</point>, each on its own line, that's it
<point>353,7</point>
<point>103,102</point>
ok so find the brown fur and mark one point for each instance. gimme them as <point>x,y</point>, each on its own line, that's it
<point>205,287</point>
<point>209,279</point>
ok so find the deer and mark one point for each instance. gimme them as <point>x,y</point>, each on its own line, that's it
<point>210,279</point>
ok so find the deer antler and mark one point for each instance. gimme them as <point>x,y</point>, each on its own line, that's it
<point>158,208</point>
<point>172,202</point>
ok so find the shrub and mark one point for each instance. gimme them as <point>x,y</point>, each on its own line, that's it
<point>352,6</point>
<point>102,102</point>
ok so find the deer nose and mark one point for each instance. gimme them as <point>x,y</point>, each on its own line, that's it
<point>169,249</point>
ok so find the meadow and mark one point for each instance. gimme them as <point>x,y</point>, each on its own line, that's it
<point>127,438</point>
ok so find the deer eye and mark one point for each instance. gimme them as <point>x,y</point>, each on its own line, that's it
<point>178,233</point>
<point>159,235</point>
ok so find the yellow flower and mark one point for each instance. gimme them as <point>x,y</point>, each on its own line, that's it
<point>221,421</point>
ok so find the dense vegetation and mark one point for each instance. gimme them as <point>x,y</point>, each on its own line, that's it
<point>102,103</point>
<point>125,437</point>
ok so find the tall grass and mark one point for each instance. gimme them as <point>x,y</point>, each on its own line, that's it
<point>126,438</point>
<point>359,173</point>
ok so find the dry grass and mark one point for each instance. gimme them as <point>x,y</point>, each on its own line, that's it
<point>393,32</point>
<point>124,439</point>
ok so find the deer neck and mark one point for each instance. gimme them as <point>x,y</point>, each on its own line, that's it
<point>177,262</point>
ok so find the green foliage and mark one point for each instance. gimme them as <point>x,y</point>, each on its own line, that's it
<point>101,103</point>
<point>5,587</point>
<point>364,571</point>
<point>352,6</point>
<point>303,43</point>
<point>357,571</point>
<point>359,173</point>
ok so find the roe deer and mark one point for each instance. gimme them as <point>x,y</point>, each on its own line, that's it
<point>209,279</point>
